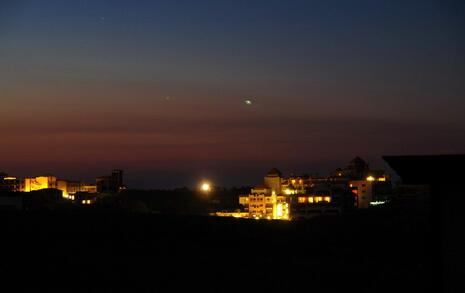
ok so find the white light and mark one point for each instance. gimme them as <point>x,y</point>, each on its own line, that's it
<point>205,187</point>
<point>376,203</point>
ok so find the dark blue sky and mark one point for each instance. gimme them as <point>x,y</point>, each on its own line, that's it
<point>158,87</point>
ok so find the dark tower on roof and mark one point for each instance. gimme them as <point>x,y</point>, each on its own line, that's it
<point>357,168</point>
<point>274,173</point>
<point>273,180</point>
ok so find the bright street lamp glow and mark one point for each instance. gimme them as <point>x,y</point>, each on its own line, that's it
<point>205,187</point>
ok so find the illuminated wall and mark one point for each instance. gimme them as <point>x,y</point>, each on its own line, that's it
<point>63,186</point>
<point>38,183</point>
<point>262,206</point>
<point>68,188</point>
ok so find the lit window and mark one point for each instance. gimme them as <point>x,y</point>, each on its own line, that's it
<point>327,199</point>
<point>370,178</point>
<point>310,199</point>
<point>293,181</point>
<point>382,179</point>
<point>302,199</point>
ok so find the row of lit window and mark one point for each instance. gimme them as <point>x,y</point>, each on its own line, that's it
<point>256,206</point>
<point>295,181</point>
<point>314,199</point>
<point>371,178</point>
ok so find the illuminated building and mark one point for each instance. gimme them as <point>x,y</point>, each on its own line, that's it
<point>306,196</point>
<point>68,188</point>
<point>266,201</point>
<point>38,183</point>
<point>9,183</point>
<point>373,190</point>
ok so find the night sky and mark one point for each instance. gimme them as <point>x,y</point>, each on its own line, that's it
<point>177,91</point>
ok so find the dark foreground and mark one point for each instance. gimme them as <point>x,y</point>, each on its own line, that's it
<point>373,251</point>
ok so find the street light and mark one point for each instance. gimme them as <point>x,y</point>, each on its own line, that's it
<point>205,187</point>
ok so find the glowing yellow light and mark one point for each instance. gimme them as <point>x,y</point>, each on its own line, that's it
<point>205,187</point>
<point>327,199</point>
<point>9,178</point>
<point>279,210</point>
<point>310,199</point>
<point>302,199</point>
<point>370,178</point>
<point>293,181</point>
<point>382,179</point>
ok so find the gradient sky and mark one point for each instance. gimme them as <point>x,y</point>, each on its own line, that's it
<point>158,87</point>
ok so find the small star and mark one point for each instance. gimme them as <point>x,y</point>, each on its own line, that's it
<point>248,102</point>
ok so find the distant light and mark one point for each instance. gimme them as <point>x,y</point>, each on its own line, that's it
<point>376,203</point>
<point>370,178</point>
<point>248,102</point>
<point>205,187</point>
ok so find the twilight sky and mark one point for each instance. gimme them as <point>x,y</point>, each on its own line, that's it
<point>158,88</point>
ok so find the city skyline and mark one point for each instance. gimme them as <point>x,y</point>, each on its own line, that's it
<point>176,92</point>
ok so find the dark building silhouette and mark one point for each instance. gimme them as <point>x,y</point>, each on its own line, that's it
<point>443,174</point>
<point>110,184</point>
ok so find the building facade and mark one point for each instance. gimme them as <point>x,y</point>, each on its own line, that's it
<point>294,197</point>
